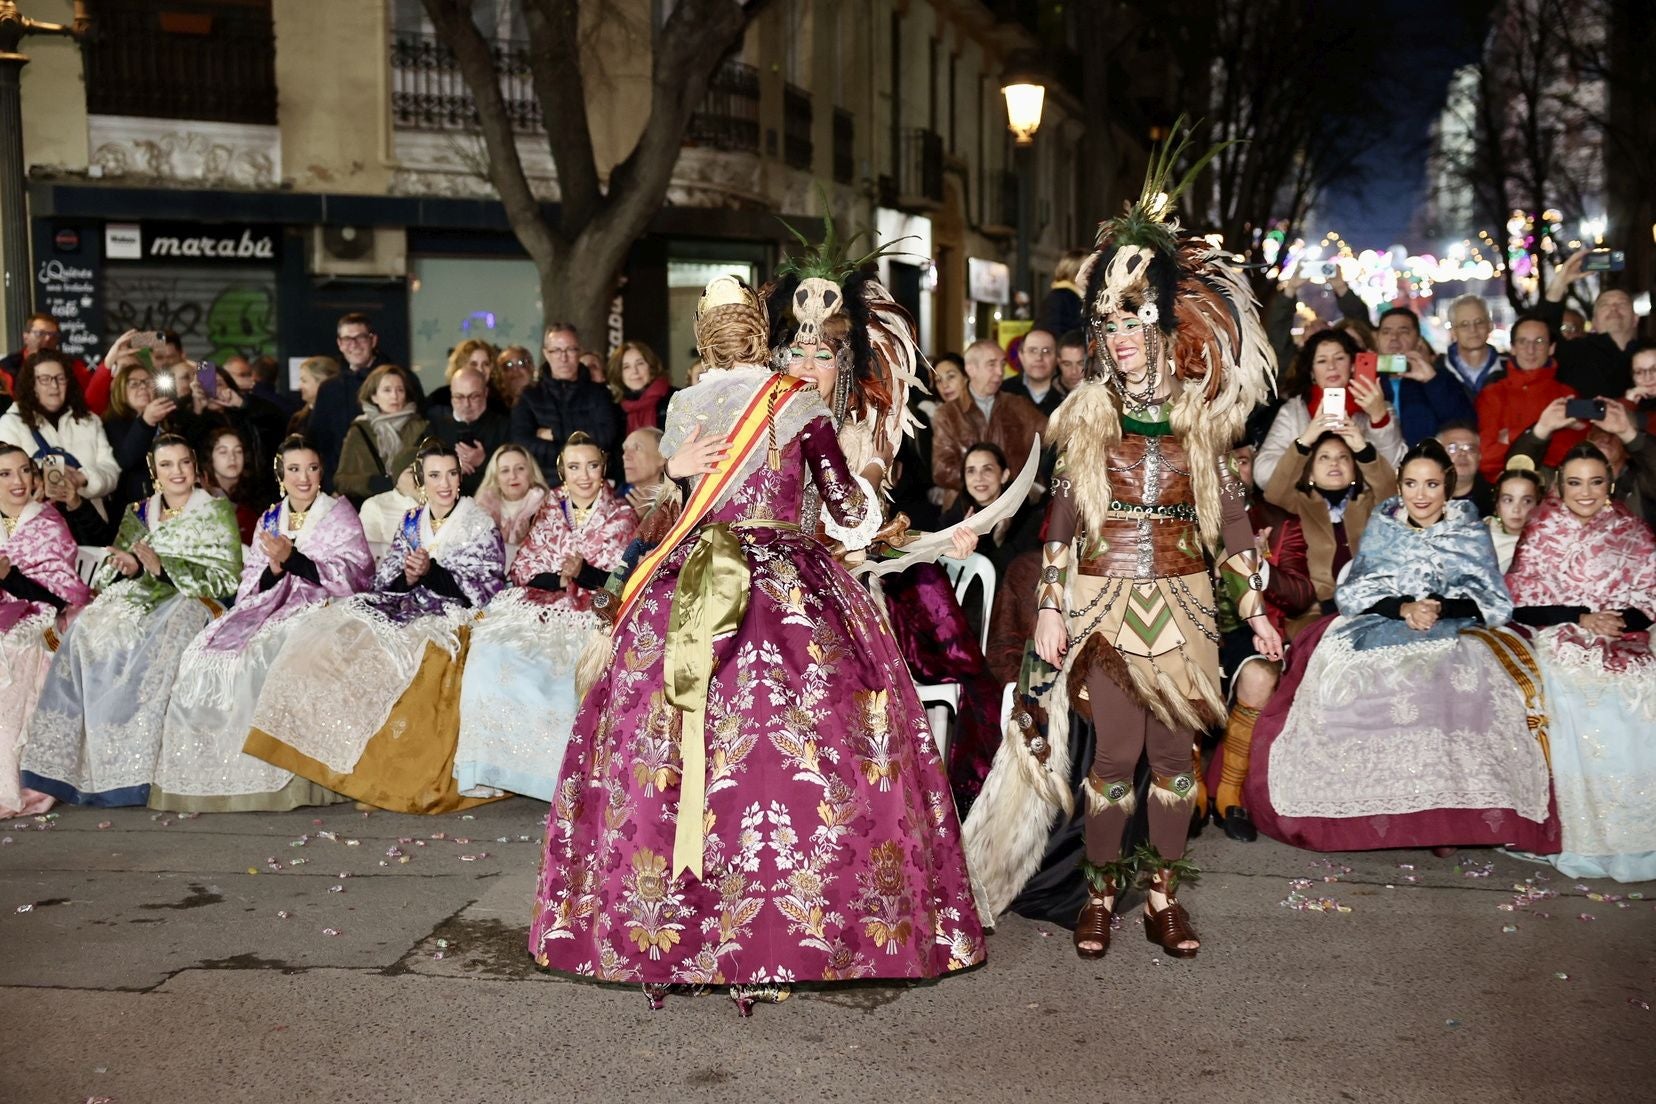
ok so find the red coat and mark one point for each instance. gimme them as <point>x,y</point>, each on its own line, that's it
<point>1510,405</point>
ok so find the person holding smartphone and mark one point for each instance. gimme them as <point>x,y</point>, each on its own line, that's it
<point>1321,388</point>
<point>50,422</point>
<point>1629,449</point>
<point>1599,362</point>
<point>1515,402</point>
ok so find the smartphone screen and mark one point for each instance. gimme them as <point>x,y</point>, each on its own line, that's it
<point>1586,410</point>
<point>1393,364</point>
<point>207,376</point>
<point>1605,260</point>
<point>1334,403</point>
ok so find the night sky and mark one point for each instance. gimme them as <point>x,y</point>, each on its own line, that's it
<point>1428,41</point>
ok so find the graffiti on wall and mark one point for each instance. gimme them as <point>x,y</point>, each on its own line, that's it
<point>218,312</point>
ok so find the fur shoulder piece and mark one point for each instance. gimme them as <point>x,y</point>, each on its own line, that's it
<point>1084,428</point>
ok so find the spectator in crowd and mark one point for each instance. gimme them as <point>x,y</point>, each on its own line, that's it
<point>562,401</point>
<point>383,441</point>
<point>260,423</point>
<point>135,413</point>
<point>472,425</point>
<point>38,584</point>
<point>1573,325</point>
<point>226,475</point>
<point>1517,493</point>
<point>166,354</point>
<point>266,372</point>
<point>96,733</point>
<point>1642,395</point>
<point>1038,383</point>
<point>382,514</point>
<point>512,492</point>
<point>948,377</point>
<point>1470,360</point>
<point>514,372</point>
<point>472,353</point>
<point>1282,311</point>
<point>524,650</point>
<point>1331,484</point>
<point>1593,623</point>
<point>1424,398</point>
<point>981,413</point>
<point>1289,593</point>
<point>638,382</point>
<point>1629,450</point>
<point>50,422</point>
<point>308,549</point>
<point>1460,439</point>
<point>1367,753</point>
<point>388,740</point>
<point>644,468</point>
<point>1072,359</point>
<point>984,473</point>
<point>1061,309</point>
<point>240,369</point>
<point>41,333</point>
<point>1512,404</point>
<point>1600,362</point>
<point>593,365</point>
<point>1325,361</point>
<point>337,404</point>
<point>313,373</point>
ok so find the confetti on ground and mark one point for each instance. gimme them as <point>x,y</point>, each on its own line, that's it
<point>1640,1004</point>
<point>332,931</point>
<point>1508,929</point>
<point>336,889</point>
<point>1561,976</point>
<point>1451,1023</point>
<point>283,914</point>
<point>25,908</point>
<point>102,824</point>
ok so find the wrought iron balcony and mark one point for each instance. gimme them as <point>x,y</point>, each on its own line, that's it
<point>211,62</point>
<point>428,92</point>
<point>729,115</point>
<point>918,182</point>
<point>796,127</point>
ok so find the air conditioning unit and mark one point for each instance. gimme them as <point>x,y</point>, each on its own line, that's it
<point>359,251</point>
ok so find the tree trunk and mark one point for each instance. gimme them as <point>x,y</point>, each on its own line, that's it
<point>580,255</point>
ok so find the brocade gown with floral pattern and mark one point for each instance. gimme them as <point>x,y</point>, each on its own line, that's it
<point>832,849</point>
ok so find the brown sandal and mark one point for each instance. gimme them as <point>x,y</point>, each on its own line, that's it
<point>1171,926</point>
<point>1093,926</point>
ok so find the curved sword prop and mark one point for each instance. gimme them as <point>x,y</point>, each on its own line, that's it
<point>928,548</point>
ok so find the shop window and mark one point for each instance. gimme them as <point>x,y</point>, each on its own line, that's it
<point>206,60</point>
<point>493,299</point>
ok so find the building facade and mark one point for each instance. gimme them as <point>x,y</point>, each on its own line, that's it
<point>245,171</point>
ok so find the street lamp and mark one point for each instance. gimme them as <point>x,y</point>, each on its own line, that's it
<point>1025,97</point>
<point>18,294</point>
<point>1024,101</point>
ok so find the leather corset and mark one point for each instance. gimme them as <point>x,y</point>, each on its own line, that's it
<point>1150,531</point>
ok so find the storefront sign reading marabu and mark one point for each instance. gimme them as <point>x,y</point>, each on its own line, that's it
<point>208,243</point>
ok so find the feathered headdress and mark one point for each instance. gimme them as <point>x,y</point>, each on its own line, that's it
<point>881,353</point>
<point>1201,324</point>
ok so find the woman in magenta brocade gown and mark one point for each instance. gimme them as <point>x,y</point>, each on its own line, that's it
<point>826,848</point>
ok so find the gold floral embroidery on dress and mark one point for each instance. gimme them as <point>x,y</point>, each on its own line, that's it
<point>885,901</point>
<point>649,904</point>
<point>873,744</point>
<point>656,758</point>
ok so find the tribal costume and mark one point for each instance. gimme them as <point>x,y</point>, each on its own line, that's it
<point>1144,487</point>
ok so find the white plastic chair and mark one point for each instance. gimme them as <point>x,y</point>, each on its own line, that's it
<point>942,700</point>
<point>87,561</point>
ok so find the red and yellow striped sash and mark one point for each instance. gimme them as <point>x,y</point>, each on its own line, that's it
<point>748,435</point>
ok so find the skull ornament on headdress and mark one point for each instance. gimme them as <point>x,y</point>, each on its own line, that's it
<point>814,301</point>
<point>877,352</point>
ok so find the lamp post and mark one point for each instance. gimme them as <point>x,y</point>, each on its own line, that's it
<point>18,293</point>
<point>1025,97</point>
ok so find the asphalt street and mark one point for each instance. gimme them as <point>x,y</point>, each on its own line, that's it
<point>332,955</point>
